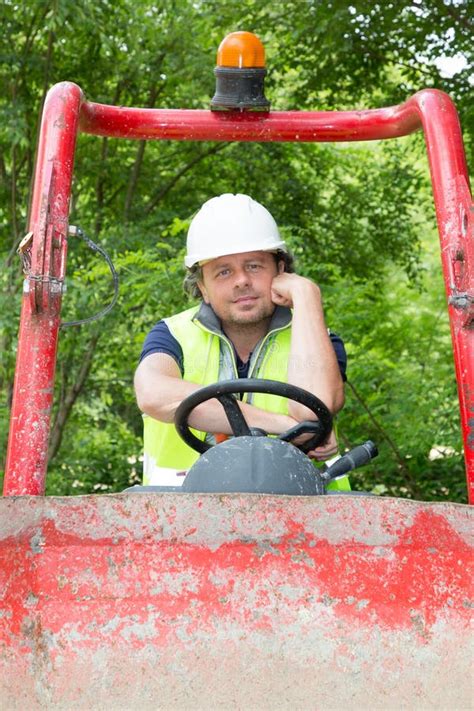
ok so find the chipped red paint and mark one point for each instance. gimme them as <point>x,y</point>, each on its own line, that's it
<point>65,113</point>
<point>201,601</point>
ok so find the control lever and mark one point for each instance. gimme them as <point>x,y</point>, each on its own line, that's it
<point>357,457</point>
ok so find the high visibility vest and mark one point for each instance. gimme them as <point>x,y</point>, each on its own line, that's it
<point>208,356</point>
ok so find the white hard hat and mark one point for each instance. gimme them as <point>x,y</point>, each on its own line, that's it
<point>231,224</point>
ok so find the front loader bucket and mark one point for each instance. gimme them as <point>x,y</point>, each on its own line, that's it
<point>210,601</point>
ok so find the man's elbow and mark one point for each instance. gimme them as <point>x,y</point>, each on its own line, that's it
<point>301,412</point>
<point>159,411</point>
<point>150,404</point>
<point>339,401</point>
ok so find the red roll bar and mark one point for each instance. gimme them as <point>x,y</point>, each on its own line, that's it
<point>66,112</point>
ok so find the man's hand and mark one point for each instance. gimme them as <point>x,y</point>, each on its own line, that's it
<point>325,451</point>
<point>286,288</point>
<point>312,364</point>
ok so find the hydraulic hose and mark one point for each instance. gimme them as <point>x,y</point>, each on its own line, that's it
<point>75,231</point>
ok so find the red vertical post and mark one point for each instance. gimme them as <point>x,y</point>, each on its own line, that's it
<point>454,213</point>
<point>40,315</point>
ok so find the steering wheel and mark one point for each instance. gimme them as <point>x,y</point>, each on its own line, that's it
<point>224,392</point>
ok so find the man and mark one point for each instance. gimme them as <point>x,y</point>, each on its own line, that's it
<point>256,319</point>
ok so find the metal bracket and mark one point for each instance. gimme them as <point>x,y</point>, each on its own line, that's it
<point>24,250</point>
<point>461,300</point>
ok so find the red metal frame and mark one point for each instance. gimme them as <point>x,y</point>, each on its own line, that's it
<point>66,112</point>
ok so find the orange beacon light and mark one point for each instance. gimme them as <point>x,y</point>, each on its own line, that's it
<point>240,73</point>
<point>241,49</point>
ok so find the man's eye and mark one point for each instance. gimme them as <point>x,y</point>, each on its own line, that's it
<point>223,272</point>
<point>254,267</point>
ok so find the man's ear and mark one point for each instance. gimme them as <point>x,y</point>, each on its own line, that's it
<point>203,291</point>
<point>281,266</point>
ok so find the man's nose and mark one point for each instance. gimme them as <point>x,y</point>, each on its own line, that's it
<point>242,279</point>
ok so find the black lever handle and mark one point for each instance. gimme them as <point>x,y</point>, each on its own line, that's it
<point>357,457</point>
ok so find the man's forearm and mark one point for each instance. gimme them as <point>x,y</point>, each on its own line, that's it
<point>210,417</point>
<point>163,394</point>
<point>313,364</point>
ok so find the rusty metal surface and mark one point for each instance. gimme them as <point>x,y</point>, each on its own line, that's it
<point>206,601</point>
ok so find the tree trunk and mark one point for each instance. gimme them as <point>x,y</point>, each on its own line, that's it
<point>69,397</point>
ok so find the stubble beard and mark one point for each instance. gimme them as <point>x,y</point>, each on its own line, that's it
<point>251,320</point>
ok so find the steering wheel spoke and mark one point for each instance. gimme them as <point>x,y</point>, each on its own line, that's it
<point>234,414</point>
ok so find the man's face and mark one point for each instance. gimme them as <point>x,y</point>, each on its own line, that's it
<point>238,286</point>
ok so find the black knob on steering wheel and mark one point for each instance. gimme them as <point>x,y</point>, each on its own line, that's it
<point>224,392</point>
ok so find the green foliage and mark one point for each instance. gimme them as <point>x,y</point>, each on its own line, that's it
<point>358,216</point>
<point>402,389</point>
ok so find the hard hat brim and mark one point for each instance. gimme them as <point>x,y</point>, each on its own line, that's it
<point>191,260</point>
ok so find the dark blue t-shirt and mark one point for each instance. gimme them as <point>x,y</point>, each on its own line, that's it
<point>160,340</point>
